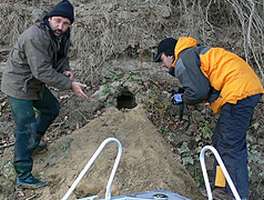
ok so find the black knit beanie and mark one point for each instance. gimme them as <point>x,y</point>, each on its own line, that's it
<point>63,9</point>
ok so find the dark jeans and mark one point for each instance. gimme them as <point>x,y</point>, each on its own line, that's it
<point>230,140</point>
<point>32,118</point>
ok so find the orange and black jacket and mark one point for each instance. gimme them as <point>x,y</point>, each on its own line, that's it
<point>212,74</point>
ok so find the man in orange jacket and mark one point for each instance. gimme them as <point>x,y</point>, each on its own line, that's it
<point>231,87</point>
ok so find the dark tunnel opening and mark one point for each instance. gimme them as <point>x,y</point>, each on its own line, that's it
<point>126,99</point>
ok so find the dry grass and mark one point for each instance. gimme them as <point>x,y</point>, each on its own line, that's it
<point>252,27</point>
<point>110,28</point>
<point>107,29</point>
<point>13,20</point>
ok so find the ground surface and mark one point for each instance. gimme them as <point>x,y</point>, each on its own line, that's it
<point>112,47</point>
<point>147,162</point>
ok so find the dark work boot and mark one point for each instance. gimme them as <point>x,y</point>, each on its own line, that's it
<point>42,147</point>
<point>30,183</point>
<point>37,144</point>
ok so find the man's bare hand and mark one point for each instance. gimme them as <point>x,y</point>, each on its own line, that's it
<point>77,89</point>
<point>69,74</point>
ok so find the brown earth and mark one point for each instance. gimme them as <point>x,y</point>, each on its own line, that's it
<point>147,162</point>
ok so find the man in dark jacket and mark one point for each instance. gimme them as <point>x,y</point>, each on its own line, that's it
<point>231,87</point>
<point>38,59</point>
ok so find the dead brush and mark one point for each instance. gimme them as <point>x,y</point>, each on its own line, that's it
<point>106,30</point>
<point>109,30</point>
<point>13,20</point>
<point>238,24</point>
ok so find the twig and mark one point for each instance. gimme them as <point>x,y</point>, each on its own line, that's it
<point>7,145</point>
<point>32,197</point>
<point>154,83</point>
<point>4,51</point>
<point>86,120</point>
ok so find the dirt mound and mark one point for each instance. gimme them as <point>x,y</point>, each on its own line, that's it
<point>146,164</point>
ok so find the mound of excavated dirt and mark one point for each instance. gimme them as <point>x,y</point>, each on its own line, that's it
<point>146,164</point>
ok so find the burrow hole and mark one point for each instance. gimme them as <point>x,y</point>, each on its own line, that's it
<point>125,99</point>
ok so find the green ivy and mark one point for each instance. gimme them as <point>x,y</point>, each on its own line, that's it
<point>186,154</point>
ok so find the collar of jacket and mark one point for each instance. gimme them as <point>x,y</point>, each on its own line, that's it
<point>182,44</point>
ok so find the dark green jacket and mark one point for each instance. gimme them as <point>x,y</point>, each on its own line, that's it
<point>34,61</point>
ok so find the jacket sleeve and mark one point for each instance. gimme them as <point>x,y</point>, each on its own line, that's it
<point>41,65</point>
<point>63,64</point>
<point>66,66</point>
<point>196,86</point>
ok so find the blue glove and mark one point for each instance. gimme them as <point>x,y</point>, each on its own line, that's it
<point>176,99</point>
